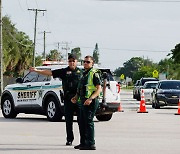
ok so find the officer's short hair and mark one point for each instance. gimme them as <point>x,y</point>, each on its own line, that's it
<point>88,56</point>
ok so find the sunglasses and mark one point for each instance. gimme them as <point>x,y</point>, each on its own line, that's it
<point>71,61</point>
<point>86,62</point>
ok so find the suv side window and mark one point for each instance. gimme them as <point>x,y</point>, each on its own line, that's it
<point>109,75</point>
<point>137,83</point>
<point>42,78</point>
<point>35,77</point>
<point>31,77</point>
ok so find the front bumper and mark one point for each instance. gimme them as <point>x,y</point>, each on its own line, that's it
<point>165,100</point>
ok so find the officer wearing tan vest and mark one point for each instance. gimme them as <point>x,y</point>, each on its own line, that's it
<point>89,89</point>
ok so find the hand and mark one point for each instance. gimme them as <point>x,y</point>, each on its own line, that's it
<point>32,69</point>
<point>73,100</point>
<point>88,101</point>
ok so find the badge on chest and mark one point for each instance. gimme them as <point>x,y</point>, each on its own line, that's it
<point>69,72</point>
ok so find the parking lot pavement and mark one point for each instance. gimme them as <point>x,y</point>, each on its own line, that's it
<point>127,132</point>
<point>155,132</point>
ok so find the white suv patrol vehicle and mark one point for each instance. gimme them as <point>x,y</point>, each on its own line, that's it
<point>40,94</point>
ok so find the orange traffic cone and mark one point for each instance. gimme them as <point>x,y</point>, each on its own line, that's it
<point>120,108</point>
<point>142,108</point>
<point>178,113</point>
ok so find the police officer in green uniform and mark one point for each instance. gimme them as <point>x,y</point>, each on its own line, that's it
<point>70,77</point>
<point>89,89</point>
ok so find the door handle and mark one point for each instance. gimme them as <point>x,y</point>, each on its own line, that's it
<point>47,83</point>
<point>28,85</point>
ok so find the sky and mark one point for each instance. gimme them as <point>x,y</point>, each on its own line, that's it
<point>122,28</point>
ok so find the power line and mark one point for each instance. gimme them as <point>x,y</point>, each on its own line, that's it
<point>44,53</point>
<point>29,13</point>
<point>120,49</point>
<point>144,50</point>
<point>20,5</point>
<point>37,4</point>
<point>36,12</point>
<point>66,48</point>
<point>30,45</point>
<point>47,21</point>
<point>156,1</point>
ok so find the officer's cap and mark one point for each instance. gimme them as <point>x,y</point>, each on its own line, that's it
<point>72,56</point>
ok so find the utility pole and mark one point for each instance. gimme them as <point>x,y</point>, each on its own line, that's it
<point>35,24</point>
<point>58,44</point>
<point>44,53</point>
<point>58,47</point>
<point>1,50</point>
<point>66,48</point>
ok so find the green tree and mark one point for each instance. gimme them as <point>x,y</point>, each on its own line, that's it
<point>77,51</point>
<point>96,54</point>
<point>144,71</point>
<point>54,55</point>
<point>38,60</point>
<point>176,54</point>
<point>171,69</point>
<point>129,67</point>
<point>136,68</point>
<point>17,49</point>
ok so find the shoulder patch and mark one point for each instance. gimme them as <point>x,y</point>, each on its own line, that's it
<point>96,75</point>
<point>78,71</point>
<point>68,72</point>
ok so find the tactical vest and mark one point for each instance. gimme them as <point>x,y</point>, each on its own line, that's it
<point>90,88</point>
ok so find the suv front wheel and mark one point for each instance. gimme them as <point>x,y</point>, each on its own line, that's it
<point>7,107</point>
<point>53,111</point>
<point>105,117</point>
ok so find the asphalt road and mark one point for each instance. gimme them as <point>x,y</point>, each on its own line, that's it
<point>128,132</point>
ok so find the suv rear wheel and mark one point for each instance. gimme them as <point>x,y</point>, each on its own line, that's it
<point>105,117</point>
<point>53,111</point>
<point>7,107</point>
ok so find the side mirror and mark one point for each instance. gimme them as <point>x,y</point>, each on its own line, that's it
<point>19,80</point>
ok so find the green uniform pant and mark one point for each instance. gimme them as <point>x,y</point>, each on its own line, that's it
<point>87,114</point>
<point>69,109</point>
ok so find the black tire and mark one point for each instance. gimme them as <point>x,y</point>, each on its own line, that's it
<point>105,117</point>
<point>7,106</point>
<point>53,111</point>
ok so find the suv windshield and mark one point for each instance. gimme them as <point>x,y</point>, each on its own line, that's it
<point>150,85</point>
<point>170,85</point>
<point>147,79</point>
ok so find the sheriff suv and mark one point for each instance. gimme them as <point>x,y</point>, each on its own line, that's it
<point>41,94</point>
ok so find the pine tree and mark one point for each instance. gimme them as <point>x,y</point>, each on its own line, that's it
<point>96,54</point>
